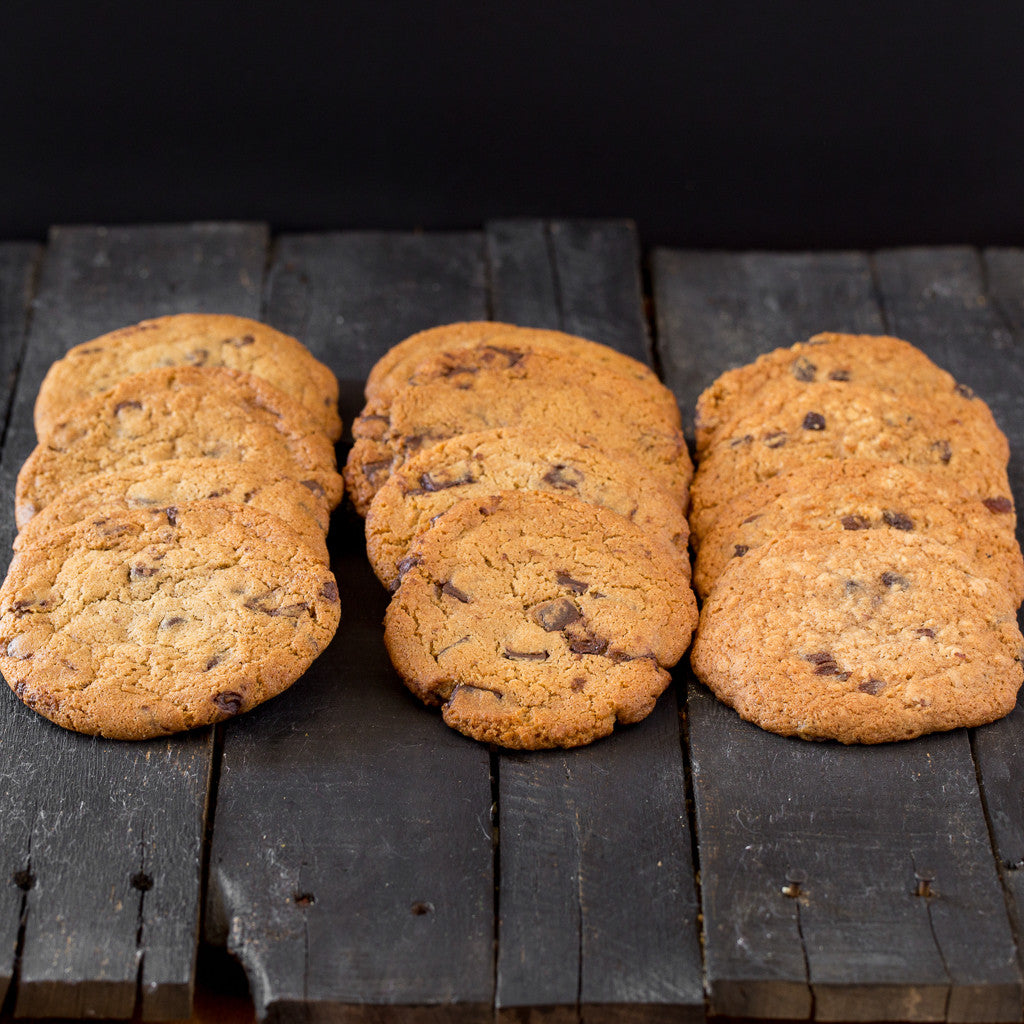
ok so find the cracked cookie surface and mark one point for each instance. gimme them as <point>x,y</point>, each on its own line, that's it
<point>176,481</point>
<point>858,494</point>
<point>138,623</point>
<point>482,463</point>
<point>862,637</point>
<point>537,620</point>
<point>486,387</point>
<point>951,434</point>
<point>878,361</point>
<point>399,364</point>
<point>178,412</point>
<point>190,339</point>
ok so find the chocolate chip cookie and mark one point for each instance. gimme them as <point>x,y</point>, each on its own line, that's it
<point>884,363</point>
<point>858,494</point>
<point>177,481</point>
<point>486,387</point>
<point>486,462</point>
<point>538,620</point>
<point>859,636</point>
<point>178,412</point>
<point>950,433</point>
<point>190,339</point>
<point>399,364</point>
<point>141,622</point>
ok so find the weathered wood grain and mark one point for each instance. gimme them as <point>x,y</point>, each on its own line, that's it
<point>582,829</point>
<point>351,868</point>
<point>109,835</point>
<point>18,262</point>
<point>968,310</point>
<point>842,830</point>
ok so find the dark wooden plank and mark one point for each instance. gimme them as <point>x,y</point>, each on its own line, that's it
<point>968,310</point>
<point>110,834</point>
<point>854,942</point>
<point>598,912</point>
<point>18,263</point>
<point>351,868</point>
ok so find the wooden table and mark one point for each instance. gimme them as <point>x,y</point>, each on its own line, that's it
<point>364,862</point>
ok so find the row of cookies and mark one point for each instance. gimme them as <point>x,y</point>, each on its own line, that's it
<point>855,545</point>
<point>171,566</point>
<point>524,493</point>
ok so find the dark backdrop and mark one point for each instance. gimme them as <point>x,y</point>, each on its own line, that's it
<point>781,124</point>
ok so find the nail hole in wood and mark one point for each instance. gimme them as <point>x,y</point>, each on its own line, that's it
<point>419,908</point>
<point>24,880</point>
<point>142,881</point>
<point>794,880</point>
<point>303,899</point>
<point>924,878</point>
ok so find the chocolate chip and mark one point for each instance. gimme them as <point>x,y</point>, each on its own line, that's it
<point>172,514</point>
<point>776,439</point>
<point>964,391</point>
<point>825,664</point>
<point>751,519</point>
<point>372,470</point>
<point>587,644</point>
<point>214,662</point>
<point>404,565</point>
<point>509,356</point>
<point>814,421</point>
<point>563,579</point>
<point>432,484</point>
<point>839,375</point>
<point>451,590</point>
<point>197,357</point>
<point>557,614</point>
<point>944,451</point>
<point>804,370</point>
<point>475,686</point>
<point>740,550</point>
<point>925,631</point>
<point>141,572</point>
<point>736,442</point>
<point>20,607</point>
<point>855,523</point>
<point>894,579</point>
<point>872,686</point>
<point>229,701</point>
<point>329,591</point>
<point>126,405</point>
<point>577,684</point>
<point>312,485</point>
<point>245,339</point>
<point>998,505</point>
<point>563,477</point>
<point>897,520</point>
<point>525,655</point>
<point>851,587</point>
<point>171,620</point>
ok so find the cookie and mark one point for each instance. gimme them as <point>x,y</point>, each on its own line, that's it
<point>538,620</point>
<point>399,364</point>
<point>862,637</point>
<point>190,339</point>
<point>177,481</point>
<point>484,388</point>
<point>949,433</point>
<point>486,462</point>
<point>858,494</point>
<point>136,623</point>
<point>172,413</point>
<point>884,363</point>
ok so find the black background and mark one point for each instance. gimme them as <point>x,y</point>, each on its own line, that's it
<point>774,124</point>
